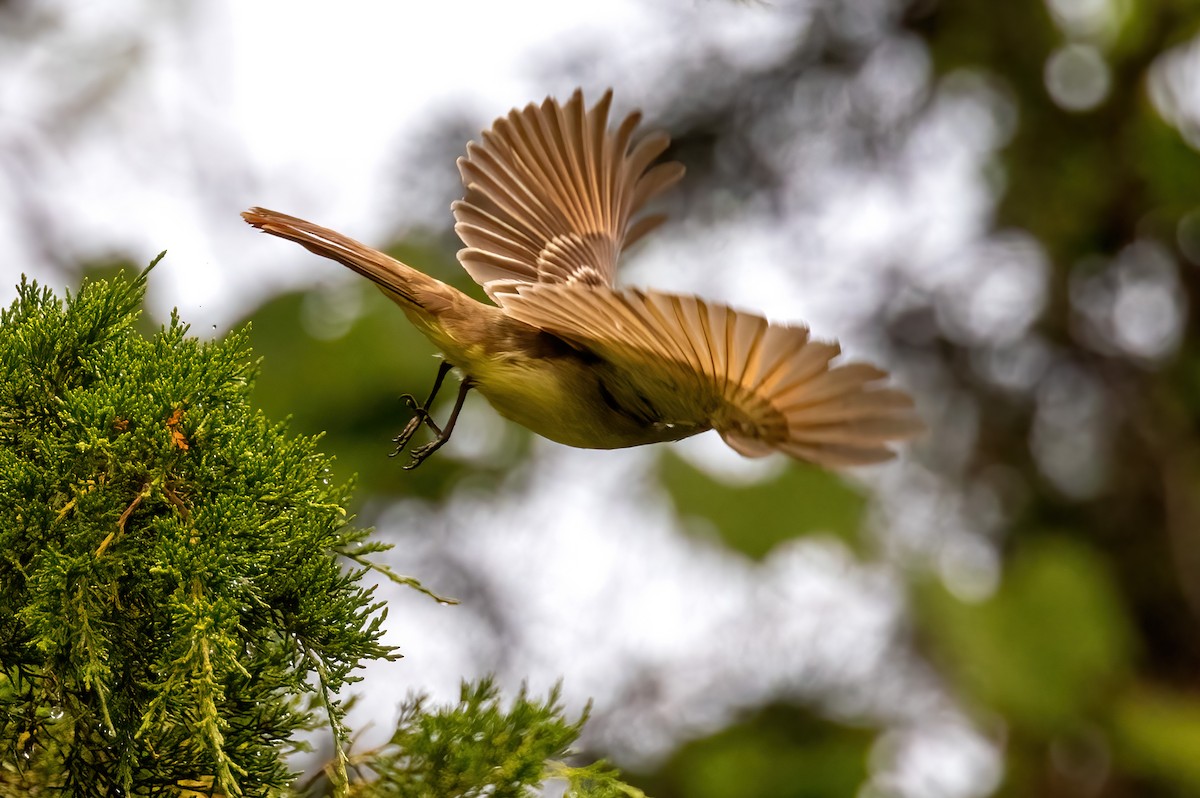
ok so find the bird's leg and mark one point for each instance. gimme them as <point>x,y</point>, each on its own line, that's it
<point>420,412</point>
<point>421,452</point>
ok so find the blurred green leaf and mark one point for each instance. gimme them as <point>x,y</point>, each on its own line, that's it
<point>753,518</point>
<point>1158,735</point>
<point>1047,648</point>
<point>781,752</point>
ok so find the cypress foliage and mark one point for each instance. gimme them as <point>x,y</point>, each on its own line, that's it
<point>169,578</point>
<point>478,748</point>
<point>174,605</point>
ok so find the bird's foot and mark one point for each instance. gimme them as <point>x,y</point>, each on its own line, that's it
<point>420,417</point>
<point>419,454</point>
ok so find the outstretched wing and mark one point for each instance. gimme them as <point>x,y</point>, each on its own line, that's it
<point>552,194</point>
<point>763,387</point>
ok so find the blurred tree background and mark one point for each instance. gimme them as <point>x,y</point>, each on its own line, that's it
<point>998,200</point>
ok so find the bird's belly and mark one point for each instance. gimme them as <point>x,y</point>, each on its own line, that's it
<point>561,400</point>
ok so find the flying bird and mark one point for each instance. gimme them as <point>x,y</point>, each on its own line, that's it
<point>553,196</point>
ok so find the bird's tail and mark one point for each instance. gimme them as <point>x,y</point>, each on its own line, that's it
<point>407,287</point>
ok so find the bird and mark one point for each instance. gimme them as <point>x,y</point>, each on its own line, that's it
<point>553,196</point>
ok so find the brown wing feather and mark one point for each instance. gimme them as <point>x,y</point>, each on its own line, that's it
<point>763,387</point>
<point>552,195</point>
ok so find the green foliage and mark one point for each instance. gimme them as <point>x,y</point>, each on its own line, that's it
<point>597,780</point>
<point>170,588</point>
<point>1048,648</point>
<point>169,584</point>
<point>780,752</point>
<point>477,748</point>
<point>1158,735</point>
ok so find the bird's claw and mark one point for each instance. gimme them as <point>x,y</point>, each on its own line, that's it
<point>420,416</point>
<point>419,454</point>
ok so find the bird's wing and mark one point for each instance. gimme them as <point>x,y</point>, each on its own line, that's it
<point>551,195</point>
<point>763,387</point>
